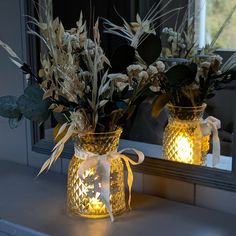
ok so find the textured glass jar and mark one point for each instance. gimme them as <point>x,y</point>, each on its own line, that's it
<point>183,140</point>
<point>84,194</point>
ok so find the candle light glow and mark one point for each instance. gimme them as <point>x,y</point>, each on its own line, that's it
<point>184,150</point>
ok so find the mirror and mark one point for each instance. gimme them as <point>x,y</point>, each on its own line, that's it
<point>144,131</point>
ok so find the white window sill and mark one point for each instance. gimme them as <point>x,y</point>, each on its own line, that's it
<point>41,204</point>
<point>155,151</point>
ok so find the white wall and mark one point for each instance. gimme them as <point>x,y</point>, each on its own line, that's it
<point>12,142</point>
<point>15,144</point>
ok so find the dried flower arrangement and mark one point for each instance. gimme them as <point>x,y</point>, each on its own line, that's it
<point>86,92</point>
<point>184,74</point>
<point>78,84</point>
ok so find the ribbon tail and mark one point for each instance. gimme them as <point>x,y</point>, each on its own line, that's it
<point>129,180</point>
<point>208,126</point>
<point>104,170</point>
<point>216,148</point>
<point>129,161</point>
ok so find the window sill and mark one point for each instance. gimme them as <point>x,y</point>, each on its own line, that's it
<point>153,165</point>
<point>155,151</point>
<point>40,204</point>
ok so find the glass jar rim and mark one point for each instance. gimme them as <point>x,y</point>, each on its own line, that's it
<point>117,131</point>
<point>169,105</point>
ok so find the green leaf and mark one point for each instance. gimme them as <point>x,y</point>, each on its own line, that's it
<point>193,68</point>
<point>9,107</point>
<point>14,122</point>
<point>32,105</point>
<point>122,105</point>
<point>150,48</point>
<point>59,117</point>
<point>159,103</point>
<point>181,75</point>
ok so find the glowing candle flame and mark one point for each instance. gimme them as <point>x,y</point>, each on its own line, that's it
<point>184,151</point>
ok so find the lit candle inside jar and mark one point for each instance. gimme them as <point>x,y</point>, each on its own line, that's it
<point>184,150</point>
<point>89,193</point>
<point>95,203</point>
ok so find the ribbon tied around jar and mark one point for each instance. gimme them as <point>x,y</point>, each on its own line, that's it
<point>102,165</point>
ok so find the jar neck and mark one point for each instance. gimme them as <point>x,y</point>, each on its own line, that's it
<point>185,113</point>
<point>99,143</point>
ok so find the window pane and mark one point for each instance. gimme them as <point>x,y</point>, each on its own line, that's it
<point>210,16</point>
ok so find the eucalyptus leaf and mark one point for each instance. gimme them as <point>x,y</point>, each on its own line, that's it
<point>14,122</point>
<point>59,117</point>
<point>150,48</point>
<point>193,68</point>
<point>32,105</point>
<point>122,58</point>
<point>9,107</point>
<point>180,75</point>
<point>122,105</point>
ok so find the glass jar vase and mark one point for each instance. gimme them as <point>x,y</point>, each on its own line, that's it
<point>84,196</point>
<point>183,140</point>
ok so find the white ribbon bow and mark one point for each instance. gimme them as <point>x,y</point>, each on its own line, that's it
<point>210,126</point>
<point>102,165</point>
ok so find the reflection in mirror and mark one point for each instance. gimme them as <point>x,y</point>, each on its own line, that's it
<point>145,131</point>
<point>150,130</point>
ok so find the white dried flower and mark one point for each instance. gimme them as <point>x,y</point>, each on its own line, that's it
<point>165,30</point>
<point>87,89</point>
<point>183,46</point>
<point>170,39</point>
<point>160,66</point>
<point>90,44</point>
<point>134,70</point>
<point>121,80</point>
<point>143,75</point>
<point>152,70</point>
<point>66,37</point>
<point>219,59</point>
<point>119,77</point>
<point>203,70</point>
<point>121,85</point>
<point>85,74</point>
<point>205,64</point>
<point>79,121</point>
<point>154,88</point>
<point>72,39</point>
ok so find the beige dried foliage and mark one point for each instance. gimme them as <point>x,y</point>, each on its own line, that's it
<point>48,94</point>
<point>59,109</point>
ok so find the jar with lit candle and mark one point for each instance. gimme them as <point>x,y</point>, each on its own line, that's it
<point>84,196</point>
<point>183,140</point>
